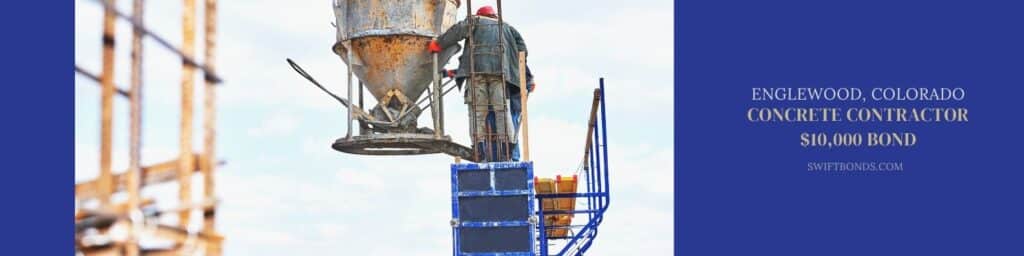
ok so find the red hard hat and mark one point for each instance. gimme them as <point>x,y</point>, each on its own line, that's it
<point>487,10</point>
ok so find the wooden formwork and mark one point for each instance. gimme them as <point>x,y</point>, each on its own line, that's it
<point>94,225</point>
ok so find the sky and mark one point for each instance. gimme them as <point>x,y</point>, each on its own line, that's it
<point>283,190</point>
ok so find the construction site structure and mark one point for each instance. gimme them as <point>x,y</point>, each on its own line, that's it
<point>498,206</point>
<point>106,227</point>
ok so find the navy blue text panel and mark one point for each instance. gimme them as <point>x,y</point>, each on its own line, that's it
<point>768,181</point>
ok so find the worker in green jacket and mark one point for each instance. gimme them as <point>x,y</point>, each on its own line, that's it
<point>489,89</point>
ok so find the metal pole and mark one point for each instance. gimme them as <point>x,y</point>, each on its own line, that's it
<point>435,97</point>
<point>438,94</point>
<point>440,107</point>
<point>455,210</point>
<point>543,229</point>
<point>343,32</point>
<point>99,82</point>
<point>502,136</point>
<point>590,180</point>
<point>348,49</point>
<point>185,164</point>
<point>604,145</point>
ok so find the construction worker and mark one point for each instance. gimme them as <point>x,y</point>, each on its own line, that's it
<point>488,88</point>
<point>515,104</point>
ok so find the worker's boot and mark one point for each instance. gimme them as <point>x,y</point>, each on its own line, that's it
<point>515,152</point>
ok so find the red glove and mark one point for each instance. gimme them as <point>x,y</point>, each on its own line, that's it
<point>433,47</point>
<point>531,86</point>
<point>449,73</point>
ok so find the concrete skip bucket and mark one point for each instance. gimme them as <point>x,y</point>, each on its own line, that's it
<point>384,44</point>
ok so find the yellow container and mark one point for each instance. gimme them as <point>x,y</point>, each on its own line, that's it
<point>565,185</point>
<point>545,186</point>
<point>558,223</point>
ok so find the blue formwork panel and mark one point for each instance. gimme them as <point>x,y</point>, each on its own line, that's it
<point>492,209</point>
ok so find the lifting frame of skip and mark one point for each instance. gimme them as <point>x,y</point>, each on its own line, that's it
<point>383,43</point>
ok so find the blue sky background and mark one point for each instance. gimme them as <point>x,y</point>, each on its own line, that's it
<point>285,191</point>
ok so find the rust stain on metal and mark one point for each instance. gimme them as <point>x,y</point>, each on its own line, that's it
<point>393,62</point>
<point>389,37</point>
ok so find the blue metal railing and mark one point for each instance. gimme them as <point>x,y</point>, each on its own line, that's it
<point>596,195</point>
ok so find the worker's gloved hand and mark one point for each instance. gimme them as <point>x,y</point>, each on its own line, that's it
<point>530,86</point>
<point>449,73</point>
<point>434,47</point>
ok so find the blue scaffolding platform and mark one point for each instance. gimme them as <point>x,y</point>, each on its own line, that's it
<point>493,209</point>
<point>496,210</point>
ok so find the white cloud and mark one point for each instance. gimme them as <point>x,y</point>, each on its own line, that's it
<point>642,227</point>
<point>276,124</point>
<point>271,238</point>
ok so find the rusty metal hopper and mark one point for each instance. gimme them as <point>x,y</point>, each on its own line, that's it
<point>384,44</point>
<point>388,40</point>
